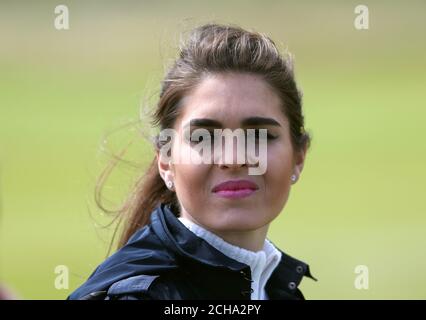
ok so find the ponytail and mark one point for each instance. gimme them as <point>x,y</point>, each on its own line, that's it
<point>149,191</point>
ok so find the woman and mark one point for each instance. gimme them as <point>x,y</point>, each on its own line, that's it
<point>198,230</point>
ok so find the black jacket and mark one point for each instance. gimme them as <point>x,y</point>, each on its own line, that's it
<point>164,260</point>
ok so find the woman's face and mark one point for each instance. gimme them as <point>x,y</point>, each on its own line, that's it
<point>229,99</point>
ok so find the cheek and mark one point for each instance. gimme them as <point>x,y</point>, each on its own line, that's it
<point>278,173</point>
<point>192,189</point>
<point>190,179</point>
<point>190,176</point>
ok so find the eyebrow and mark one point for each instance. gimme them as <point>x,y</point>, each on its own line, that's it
<point>251,121</point>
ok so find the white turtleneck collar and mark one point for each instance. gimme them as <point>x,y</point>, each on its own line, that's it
<point>262,263</point>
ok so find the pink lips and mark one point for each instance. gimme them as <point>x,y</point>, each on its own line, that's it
<point>235,189</point>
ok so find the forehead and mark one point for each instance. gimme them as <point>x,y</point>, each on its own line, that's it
<point>231,97</point>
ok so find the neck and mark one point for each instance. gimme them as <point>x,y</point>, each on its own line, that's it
<point>253,240</point>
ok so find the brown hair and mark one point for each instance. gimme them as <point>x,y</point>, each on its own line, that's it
<point>210,48</point>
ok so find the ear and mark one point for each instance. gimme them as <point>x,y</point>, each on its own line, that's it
<point>165,168</point>
<point>299,161</point>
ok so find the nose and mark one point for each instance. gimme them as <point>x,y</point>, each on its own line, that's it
<point>224,165</point>
<point>232,158</point>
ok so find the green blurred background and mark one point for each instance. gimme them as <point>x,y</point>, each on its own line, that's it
<point>361,199</point>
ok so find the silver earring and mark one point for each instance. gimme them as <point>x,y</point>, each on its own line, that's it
<point>293,178</point>
<point>169,184</point>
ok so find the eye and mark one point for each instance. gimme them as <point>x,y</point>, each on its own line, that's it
<point>268,135</point>
<point>208,137</point>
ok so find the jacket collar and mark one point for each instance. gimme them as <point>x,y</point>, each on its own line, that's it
<point>154,249</point>
<point>183,242</point>
<point>286,277</point>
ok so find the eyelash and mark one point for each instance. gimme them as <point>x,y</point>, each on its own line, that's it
<point>268,136</point>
